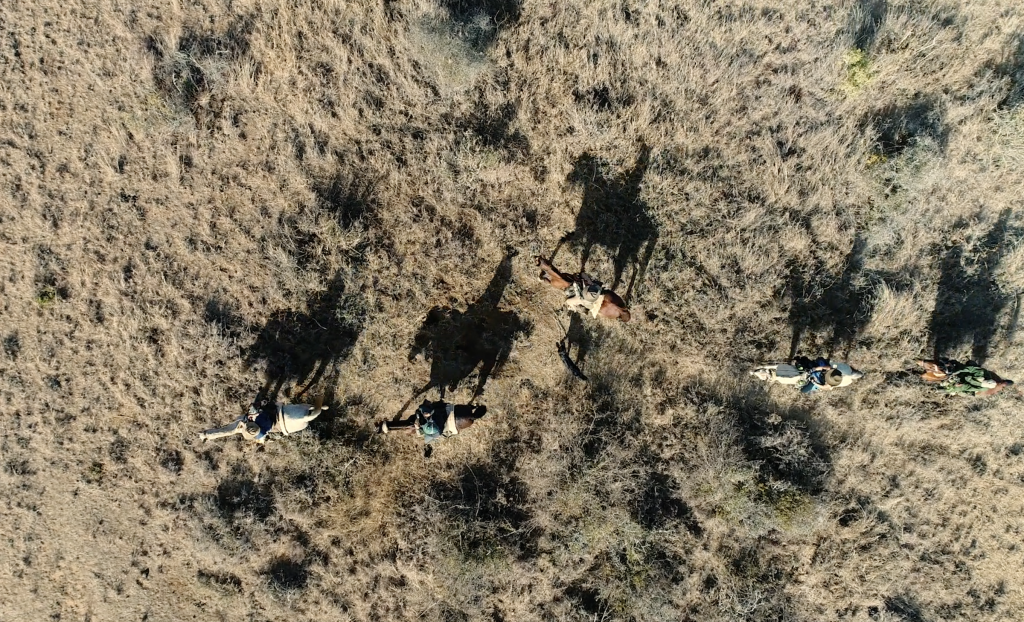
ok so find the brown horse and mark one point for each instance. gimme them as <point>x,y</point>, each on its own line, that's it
<point>612,306</point>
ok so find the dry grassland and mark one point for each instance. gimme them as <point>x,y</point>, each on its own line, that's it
<point>197,197</point>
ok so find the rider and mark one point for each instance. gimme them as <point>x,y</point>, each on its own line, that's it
<point>822,377</point>
<point>436,420</point>
<point>809,375</point>
<point>585,293</point>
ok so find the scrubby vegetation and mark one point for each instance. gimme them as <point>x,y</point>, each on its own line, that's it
<point>201,199</point>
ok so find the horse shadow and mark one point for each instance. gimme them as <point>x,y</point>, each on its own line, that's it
<point>866,20</point>
<point>580,335</point>
<point>841,309</point>
<point>305,347</point>
<point>1012,69</point>
<point>968,301</point>
<point>612,215</point>
<point>457,343</point>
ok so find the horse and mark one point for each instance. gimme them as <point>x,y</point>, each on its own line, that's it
<point>264,418</point>
<point>611,305</point>
<point>946,373</point>
<point>449,419</point>
<point>799,373</point>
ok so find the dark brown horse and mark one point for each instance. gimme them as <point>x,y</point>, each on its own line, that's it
<point>465,416</point>
<point>612,306</point>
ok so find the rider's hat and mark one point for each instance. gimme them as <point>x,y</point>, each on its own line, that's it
<point>833,377</point>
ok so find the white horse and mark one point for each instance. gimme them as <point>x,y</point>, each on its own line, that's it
<point>784,373</point>
<point>280,418</point>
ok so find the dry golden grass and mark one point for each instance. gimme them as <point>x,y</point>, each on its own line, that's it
<point>194,196</point>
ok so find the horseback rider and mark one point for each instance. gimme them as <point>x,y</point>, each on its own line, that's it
<point>436,421</point>
<point>809,375</point>
<point>958,378</point>
<point>265,417</point>
<point>585,293</point>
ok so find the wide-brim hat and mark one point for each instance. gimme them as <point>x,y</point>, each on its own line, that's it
<point>833,377</point>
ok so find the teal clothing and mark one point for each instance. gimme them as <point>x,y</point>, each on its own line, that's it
<point>433,417</point>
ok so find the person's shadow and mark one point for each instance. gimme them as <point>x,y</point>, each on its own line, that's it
<point>458,342</point>
<point>841,309</point>
<point>304,347</point>
<point>612,215</point>
<point>968,301</point>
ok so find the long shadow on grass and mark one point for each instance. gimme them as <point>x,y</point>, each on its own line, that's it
<point>614,217</point>
<point>480,338</point>
<point>968,301</point>
<point>1012,69</point>
<point>306,347</point>
<point>841,309</point>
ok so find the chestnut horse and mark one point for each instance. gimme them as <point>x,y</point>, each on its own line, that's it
<point>612,306</point>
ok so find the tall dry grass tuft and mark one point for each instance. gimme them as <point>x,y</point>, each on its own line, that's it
<point>199,202</point>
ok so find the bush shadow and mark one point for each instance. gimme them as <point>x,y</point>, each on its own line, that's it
<point>459,342</point>
<point>785,442</point>
<point>240,499</point>
<point>179,73</point>
<point>489,504</point>
<point>866,20</point>
<point>655,499</point>
<point>287,574</point>
<point>905,607</point>
<point>968,301</point>
<point>478,21</point>
<point>493,126</point>
<point>348,200</point>
<point>899,127</point>
<point>613,216</point>
<point>659,504</point>
<point>1011,68</point>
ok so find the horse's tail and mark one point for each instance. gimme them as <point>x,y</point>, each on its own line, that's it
<point>563,353</point>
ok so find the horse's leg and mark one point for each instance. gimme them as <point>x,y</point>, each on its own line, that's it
<point>565,238</point>
<point>405,426</point>
<point>640,269</point>
<point>621,259</point>
<point>585,255</point>
<point>551,274</point>
<point>632,282</point>
<point>486,368</point>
